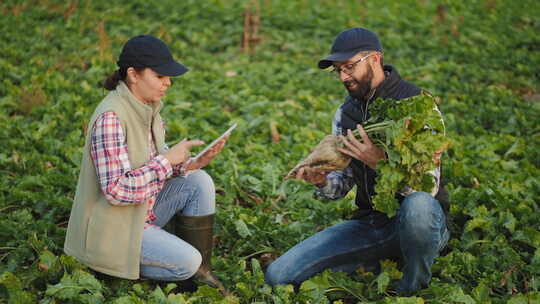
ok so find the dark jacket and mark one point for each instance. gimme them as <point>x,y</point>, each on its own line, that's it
<point>355,111</point>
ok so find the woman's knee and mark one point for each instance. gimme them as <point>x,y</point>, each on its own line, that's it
<point>187,265</point>
<point>202,180</point>
<point>204,194</point>
<point>183,267</point>
<point>192,263</point>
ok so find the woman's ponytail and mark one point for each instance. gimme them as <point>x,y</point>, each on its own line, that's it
<point>112,80</point>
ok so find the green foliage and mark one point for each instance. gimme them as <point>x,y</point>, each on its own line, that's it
<point>481,57</point>
<point>79,287</point>
<point>14,288</point>
<point>413,133</point>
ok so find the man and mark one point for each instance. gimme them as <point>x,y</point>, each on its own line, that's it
<point>416,234</point>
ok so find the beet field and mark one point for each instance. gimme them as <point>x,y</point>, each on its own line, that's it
<point>255,63</point>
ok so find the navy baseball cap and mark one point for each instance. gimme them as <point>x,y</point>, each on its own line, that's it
<point>146,51</point>
<point>350,42</point>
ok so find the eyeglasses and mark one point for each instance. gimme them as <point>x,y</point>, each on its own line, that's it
<point>349,67</point>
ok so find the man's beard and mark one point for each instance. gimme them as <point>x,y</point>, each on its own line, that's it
<point>363,85</point>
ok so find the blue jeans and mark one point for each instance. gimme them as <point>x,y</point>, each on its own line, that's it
<point>415,235</point>
<point>164,256</point>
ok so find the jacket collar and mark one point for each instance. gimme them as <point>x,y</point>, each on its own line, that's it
<point>145,112</point>
<point>387,87</point>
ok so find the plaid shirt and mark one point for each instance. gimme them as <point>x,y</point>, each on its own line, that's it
<point>340,182</point>
<point>121,184</point>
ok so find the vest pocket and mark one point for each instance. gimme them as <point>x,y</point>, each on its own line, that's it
<point>106,237</point>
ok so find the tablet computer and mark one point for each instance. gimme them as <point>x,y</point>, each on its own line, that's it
<point>215,142</point>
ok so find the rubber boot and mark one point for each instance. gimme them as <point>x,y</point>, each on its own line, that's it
<point>198,231</point>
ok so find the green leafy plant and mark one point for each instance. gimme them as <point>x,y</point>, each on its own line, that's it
<point>412,133</point>
<point>480,57</point>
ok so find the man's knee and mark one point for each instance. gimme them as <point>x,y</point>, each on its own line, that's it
<point>419,205</point>
<point>273,275</point>
<point>421,215</point>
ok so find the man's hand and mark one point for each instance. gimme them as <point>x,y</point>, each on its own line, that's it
<point>364,150</point>
<point>315,178</point>
<point>206,158</point>
<point>180,153</point>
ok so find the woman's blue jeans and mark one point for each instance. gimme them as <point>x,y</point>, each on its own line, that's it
<point>415,235</point>
<point>164,256</point>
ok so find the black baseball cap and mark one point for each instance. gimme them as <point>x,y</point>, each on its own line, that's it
<point>350,42</point>
<point>146,51</point>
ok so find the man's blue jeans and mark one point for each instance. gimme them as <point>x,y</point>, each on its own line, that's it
<point>415,235</point>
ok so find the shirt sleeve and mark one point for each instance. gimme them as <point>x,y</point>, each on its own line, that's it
<point>340,182</point>
<point>121,184</point>
<point>436,173</point>
<point>178,169</point>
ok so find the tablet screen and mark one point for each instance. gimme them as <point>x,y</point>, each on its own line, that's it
<point>215,141</point>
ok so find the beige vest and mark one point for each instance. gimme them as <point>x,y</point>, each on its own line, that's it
<point>105,237</point>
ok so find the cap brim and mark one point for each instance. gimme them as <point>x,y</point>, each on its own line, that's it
<point>172,68</point>
<point>328,61</point>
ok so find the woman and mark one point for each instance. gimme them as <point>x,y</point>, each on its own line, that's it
<point>131,184</point>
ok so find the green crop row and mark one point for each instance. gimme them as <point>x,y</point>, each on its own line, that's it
<point>480,57</point>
